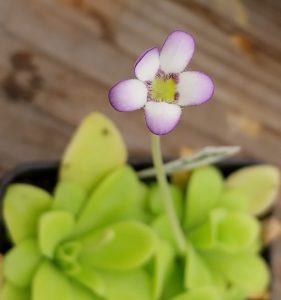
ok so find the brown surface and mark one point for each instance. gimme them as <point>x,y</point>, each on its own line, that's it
<point>59,57</point>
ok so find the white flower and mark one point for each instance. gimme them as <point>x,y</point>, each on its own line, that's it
<point>163,86</point>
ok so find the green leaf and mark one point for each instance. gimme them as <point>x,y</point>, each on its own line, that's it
<point>259,183</point>
<point>112,198</point>
<point>233,200</point>
<point>11,292</point>
<point>95,150</point>
<point>66,257</point>
<point>203,193</point>
<point>228,231</point>
<point>201,293</point>
<point>235,293</point>
<point>205,236</point>
<point>175,280</point>
<point>237,232</point>
<point>244,270</point>
<point>23,206</point>
<point>90,279</point>
<point>50,283</point>
<point>130,285</point>
<point>156,203</point>
<point>162,266</point>
<point>162,227</point>
<point>138,210</point>
<point>122,246</point>
<point>21,263</point>
<point>54,228</point>
<point>69,197</point>
<point>79,292</point>
<point>197,272</point>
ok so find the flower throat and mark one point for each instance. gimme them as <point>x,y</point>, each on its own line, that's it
<point>163,90</point>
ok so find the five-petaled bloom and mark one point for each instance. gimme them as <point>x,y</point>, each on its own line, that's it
<point>163,86</point>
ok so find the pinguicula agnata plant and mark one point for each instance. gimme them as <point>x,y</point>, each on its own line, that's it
<point>105,234</point>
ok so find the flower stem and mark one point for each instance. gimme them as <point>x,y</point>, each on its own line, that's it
<point>166,193</point>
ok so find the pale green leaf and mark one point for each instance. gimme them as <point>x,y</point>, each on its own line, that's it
<point>162,227</point>
<point>130,285</point>
<point>95,150</point>
<point>111,200</point>
<point>233,200</point>
<point>23,206</point>
<point>245,270</point>
<point>54,228</point>
<point>259,183</point>
<point>156,203</point>
<point>11,292</point>
<point>69,197</point>
<point>203,193</point>
<point>237,232</point>
<point>163,260</point>
<point>138,210</point>
<point>21,263</point>
<point>90,279</point>
<point>200,293</point>
<point>235,293</point>
<point>205,236</point>
<point>122,246</point>
<point>197,272</point>
<point>228,231</point>
<point>66,257</point>
<point>50,283</point>
<point>80,292</point>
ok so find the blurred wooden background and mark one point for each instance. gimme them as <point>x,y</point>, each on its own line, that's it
<point>59,57</point>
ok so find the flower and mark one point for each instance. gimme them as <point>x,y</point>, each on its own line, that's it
<point>163,86</point>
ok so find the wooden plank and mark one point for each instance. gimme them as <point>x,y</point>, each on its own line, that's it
<point>71,43</point>
<point>5,9</point>
<point>237,133</point>
<point>241,90</point>
<point>28,134</point>
<point>260,18</point>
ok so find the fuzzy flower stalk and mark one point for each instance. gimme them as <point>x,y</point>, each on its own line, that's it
<point>163,86</point>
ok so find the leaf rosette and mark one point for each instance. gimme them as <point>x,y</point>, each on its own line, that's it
<point>104,234</point>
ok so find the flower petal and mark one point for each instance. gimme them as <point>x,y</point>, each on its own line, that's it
<point>147,65</point>
<point>161,117</point>
<point>194,88</point>
<point>128,95</point>
<point>176,52</point>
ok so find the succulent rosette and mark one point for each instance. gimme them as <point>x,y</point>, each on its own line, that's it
<point>163,85</point>
<point>104,234</point>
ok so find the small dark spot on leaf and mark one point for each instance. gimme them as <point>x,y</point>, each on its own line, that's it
<point>105,131</point>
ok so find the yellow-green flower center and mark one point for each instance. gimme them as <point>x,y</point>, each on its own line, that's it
<point>163,89</point>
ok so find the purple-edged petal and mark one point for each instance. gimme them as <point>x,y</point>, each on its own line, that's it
<point>128,95</point>
<point>147,65</point>
<point>176,52</point>
<point>194,88</point>
<point>161,117</point>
